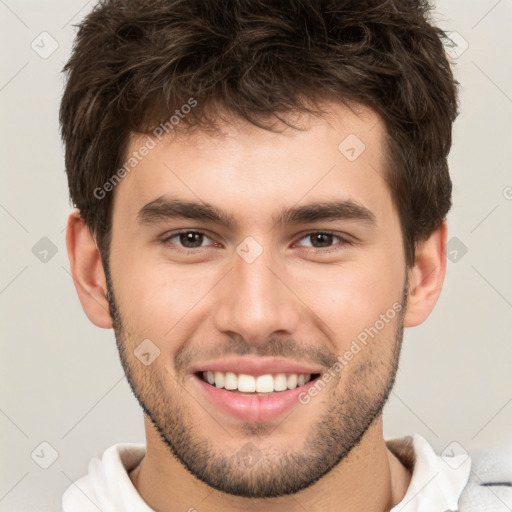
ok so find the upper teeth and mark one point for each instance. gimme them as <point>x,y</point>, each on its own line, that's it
<point>262,384</point>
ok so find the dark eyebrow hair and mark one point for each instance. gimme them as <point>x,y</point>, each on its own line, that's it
<point>164,208</point>
<point>326,210</point>
<point>168,208</point>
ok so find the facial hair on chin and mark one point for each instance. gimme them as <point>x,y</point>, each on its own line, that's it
<point>330,438</point>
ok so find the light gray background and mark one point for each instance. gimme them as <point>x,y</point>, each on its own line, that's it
<point>61,381</point>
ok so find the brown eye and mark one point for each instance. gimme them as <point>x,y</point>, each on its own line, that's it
<point>322,239</point>
<point>187,239</point>
<point>191,239</point>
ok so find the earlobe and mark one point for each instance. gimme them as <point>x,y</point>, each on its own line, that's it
<point>426,277</point>
<point>87,271</point>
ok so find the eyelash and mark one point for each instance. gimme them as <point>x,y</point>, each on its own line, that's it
<point>167,241</point>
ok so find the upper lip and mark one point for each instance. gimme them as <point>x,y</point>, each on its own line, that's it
<point>257,366</point>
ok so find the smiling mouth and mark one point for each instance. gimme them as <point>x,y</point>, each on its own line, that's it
<point>261,385</point>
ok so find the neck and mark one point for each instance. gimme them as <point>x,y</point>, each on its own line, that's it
<point>370,478</point>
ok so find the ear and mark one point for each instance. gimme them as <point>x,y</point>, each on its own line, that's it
<point>87,271</point>
<point>426,277</point>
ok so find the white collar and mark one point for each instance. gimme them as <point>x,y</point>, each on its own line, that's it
<point>436,484</point>
<point>437,481</point>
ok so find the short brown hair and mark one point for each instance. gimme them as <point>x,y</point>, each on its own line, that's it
<point>134,62</point>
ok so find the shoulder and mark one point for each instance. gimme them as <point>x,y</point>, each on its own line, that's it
<point>107,480</point>
<point>489,487</point>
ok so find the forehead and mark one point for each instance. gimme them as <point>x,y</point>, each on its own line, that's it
<point>248,168</point>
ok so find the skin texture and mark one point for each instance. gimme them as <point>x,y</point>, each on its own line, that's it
<point>294,301</point>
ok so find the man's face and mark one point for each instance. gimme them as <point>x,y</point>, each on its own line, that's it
<point>316,291</point>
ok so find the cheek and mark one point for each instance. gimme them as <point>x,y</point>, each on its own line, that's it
<point>350,298</point>
<point>157,298</point>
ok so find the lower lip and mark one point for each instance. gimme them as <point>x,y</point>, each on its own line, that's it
<point>253,408</point>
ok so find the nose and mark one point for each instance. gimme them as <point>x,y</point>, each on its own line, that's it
<point>255,302</point>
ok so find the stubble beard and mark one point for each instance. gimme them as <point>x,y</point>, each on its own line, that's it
<point>348,414</point>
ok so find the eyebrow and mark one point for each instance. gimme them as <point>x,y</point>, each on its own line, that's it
<point>165,208</point>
